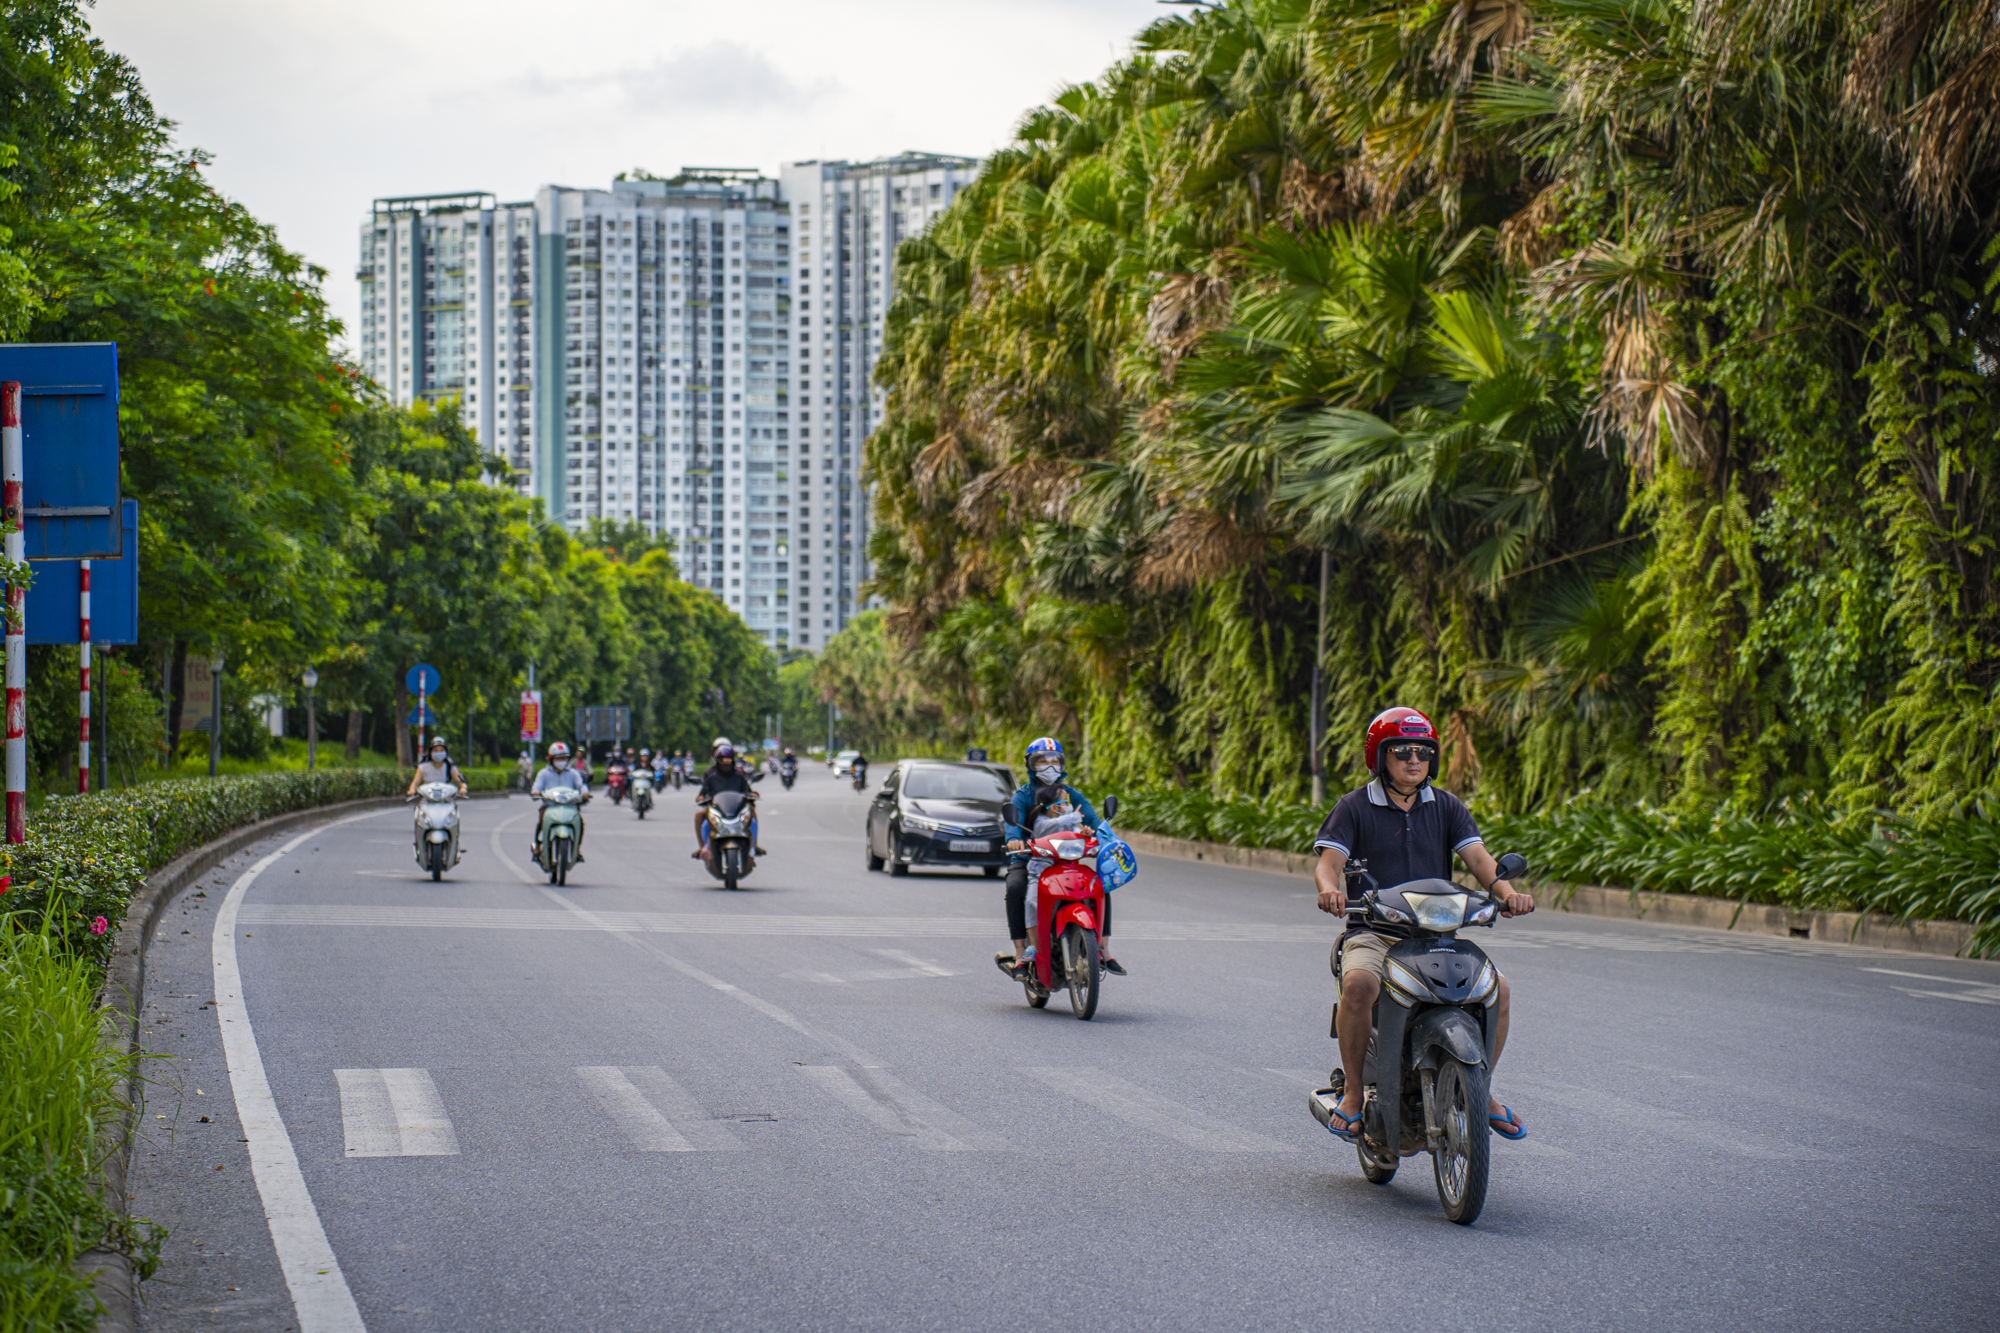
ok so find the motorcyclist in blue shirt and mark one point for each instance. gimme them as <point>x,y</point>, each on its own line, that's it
<point>1043,794</point>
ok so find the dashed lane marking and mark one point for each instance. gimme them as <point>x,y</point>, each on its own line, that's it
<point>394,1113</point>
<point>1149,1111</point>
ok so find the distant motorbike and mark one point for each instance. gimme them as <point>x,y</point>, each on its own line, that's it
<point>731,853</point>
<point>615,783</point>
<point>437,828</point>
<point>642,790</point>
<point>1069,907</point>
<point>860,778</point>
<point>679,777</point>
<point>788,773</point>
<point>562,829</point>
<point>1435,1015</point>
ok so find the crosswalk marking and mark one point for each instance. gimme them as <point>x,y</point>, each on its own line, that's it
<point>655,1113</point>
<point>914,968</point>
<point>393,1113</point>
<point>920,1118</point>
<point>963,1133</point>
<point>1146,1110</point>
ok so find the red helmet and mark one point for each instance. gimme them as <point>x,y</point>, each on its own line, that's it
<point>1398,724</point>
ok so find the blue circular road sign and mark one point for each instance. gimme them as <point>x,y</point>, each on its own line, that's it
<point>422,679</point>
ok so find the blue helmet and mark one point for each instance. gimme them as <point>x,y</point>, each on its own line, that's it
<point>1047,747</point>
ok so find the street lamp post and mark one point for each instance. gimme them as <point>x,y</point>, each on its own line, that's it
<point>309,679</point>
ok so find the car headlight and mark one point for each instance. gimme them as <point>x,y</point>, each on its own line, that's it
<point>1437,911</point>
<point>920,823</point>
<point>1483,989</point>
<point>1405,986</point>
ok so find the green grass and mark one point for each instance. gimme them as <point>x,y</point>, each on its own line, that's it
<point>57,1084</point>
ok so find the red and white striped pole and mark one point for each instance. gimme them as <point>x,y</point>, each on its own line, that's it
<point>83,683</point>
<point>17,605</point>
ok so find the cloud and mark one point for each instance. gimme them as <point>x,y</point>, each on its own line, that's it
<point>722,76</point>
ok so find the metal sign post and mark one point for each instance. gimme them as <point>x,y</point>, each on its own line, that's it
<point>83,678</point>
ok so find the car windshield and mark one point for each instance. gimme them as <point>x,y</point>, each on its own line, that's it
<point>953,784</point>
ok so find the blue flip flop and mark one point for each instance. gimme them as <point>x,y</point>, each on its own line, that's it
<point>1349,1128</point>
<point>1510,1121</point>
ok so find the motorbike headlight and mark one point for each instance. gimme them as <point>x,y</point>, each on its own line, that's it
<point>1437,911</point>
<point>1405,986</point>
<point>920,823</point>
<point>1070,849</point>
<point>1483,990</point>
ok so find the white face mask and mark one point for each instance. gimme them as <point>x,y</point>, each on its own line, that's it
<point>437,756</point>
<point>559,764</point>
<point>1048,774</point>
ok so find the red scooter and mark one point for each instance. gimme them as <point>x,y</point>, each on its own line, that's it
<point>1069,905</point>
<point>614,785</point>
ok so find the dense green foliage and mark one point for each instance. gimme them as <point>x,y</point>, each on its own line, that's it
<point>1631,364</point>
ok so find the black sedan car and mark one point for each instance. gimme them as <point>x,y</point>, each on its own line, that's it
<point>933,812</point>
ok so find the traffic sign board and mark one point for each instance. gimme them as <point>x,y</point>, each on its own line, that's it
<point>531,717</point>
<point>428,718</point>
<point>423,679</point>
<point>604,724</point>
<point>52,612</point>
<point>69,448</point>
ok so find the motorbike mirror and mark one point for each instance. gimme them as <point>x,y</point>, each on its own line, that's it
<point>1513,865</point>
<point>1111,807</point>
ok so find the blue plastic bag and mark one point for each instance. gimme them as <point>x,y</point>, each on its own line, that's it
<point>1116,864</point>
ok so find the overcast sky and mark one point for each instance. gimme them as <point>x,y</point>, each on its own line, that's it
<point>312,108</point>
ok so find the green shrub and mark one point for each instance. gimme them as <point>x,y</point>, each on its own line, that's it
<point>1801,856</point>
<point>87,855</point>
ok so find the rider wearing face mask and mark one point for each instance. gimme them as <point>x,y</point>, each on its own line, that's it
<point>1404,829</point>
<point>726,775</point>
<point>559,773</point>
<point>438,768</point>
<point>1044,797</point>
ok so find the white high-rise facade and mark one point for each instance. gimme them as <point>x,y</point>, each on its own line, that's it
<point>682,354</point>
<point>847,218</point>
<point>447,308</point>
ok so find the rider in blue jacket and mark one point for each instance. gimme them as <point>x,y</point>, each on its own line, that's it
<point>1044,793</point>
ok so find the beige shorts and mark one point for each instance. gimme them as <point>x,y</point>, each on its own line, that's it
<point>1363,951</point>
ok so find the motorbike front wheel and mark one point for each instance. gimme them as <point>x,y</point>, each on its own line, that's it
<point>731,866</point>
<point>1080,966</point>
<point>1466,1144</point>
<point>436,857</point>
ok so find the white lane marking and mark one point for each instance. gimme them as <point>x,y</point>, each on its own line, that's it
<point>1988,995</point>
<point>1608,1109</point>
<point>841,1085</point>
<point>1146,1110</point>
<point>319,1290</point>
<point>963,1134</point>
<point>930,1117</point>
<point>907,1120</point>
<point>688,1117</point>
<point>394,1113</point>
<point>916,969</point>
<point>1925,976</point>
<point>722,923</point>
<point>920,966</point>
<point>637,1119</point>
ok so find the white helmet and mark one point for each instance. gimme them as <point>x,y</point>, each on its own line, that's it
<point>558,756</point>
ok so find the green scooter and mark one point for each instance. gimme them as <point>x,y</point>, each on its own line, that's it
<point>562,831</point>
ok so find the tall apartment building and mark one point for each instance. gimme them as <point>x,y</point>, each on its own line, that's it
<point>848,218</point>
<point>447,304</point>
<point>631,353</point>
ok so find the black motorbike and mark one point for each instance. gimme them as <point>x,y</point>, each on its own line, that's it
<point>860,778</point>
<point>788,773</point>
<point>1435,1013</point>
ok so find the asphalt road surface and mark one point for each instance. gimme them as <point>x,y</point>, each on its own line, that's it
<point>643,1102</point>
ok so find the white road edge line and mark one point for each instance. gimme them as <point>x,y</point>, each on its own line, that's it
<point>318,1287</point>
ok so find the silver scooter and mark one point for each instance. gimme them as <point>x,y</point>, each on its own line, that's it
<point>437,828</point>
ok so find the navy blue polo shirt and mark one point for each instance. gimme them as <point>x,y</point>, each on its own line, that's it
<point>1399,845</point>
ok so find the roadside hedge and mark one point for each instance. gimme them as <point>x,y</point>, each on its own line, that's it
<point>1799,855</point>
<point>87,855</point>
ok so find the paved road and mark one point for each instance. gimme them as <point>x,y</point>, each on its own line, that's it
<point>644,1103</point>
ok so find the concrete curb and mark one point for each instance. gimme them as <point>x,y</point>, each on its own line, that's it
<point>1943,939</point>
<point>124,998</point>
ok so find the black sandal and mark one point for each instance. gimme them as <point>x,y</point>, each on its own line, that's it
<point>1112,965</point>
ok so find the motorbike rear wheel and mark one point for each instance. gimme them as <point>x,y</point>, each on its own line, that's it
<point>1462,1157</point>
<point>1081,967</point>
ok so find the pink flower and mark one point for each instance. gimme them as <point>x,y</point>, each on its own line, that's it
<point>99,926</point>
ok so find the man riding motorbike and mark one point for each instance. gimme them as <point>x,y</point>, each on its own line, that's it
<point>1404,829</point>
<point>725,775</point>
<point>558,773</point>
<point>438,769</point>
<point>1043,797</point>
